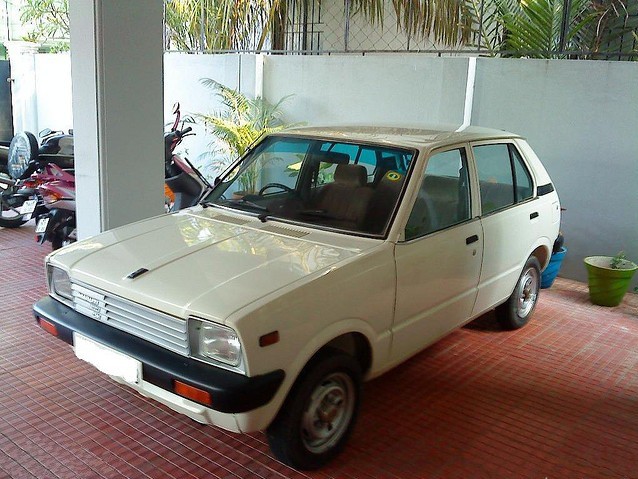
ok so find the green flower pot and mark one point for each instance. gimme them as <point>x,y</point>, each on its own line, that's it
<point>607,286</point>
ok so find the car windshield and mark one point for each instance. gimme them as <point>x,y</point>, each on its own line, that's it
<point>329,184</point>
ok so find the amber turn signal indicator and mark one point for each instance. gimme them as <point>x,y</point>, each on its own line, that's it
<point>191,392</point>
<point>48,327</point>
<point>268,339</point>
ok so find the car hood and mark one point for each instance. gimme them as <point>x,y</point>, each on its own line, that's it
<point>204,262</point>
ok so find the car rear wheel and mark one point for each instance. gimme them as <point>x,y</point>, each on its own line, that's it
<point>319,414</point>
<point>517,310</point>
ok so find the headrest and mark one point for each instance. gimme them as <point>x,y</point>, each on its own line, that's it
<point>331,157</point>
<point>351,175</point>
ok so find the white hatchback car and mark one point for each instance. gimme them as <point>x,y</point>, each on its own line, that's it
<point>322,258</point>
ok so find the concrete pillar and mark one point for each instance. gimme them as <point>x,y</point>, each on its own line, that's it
<point>116,65</point>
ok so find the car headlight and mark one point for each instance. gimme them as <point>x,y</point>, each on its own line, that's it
<point>59,283</point>
<point>212,341</point>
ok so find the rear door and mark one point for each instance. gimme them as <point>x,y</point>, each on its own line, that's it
<point>439,263</point>
<point>510,217</point>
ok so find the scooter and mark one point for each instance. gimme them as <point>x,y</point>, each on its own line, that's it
<point>185,182</point>
<point>56,188</point>
<point>19,200</point>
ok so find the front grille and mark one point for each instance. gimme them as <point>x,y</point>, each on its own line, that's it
<point>150,325</point>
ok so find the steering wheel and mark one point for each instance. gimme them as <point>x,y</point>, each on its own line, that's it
<point>276,185</point>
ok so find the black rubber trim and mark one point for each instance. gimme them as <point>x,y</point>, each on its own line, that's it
<point>231,392</point>
<point>544,189</point>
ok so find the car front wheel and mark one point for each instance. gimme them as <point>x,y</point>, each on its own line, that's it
<point>319,414</point>
<point>517,310</point>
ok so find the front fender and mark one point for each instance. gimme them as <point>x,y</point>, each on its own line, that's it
<point>379,346</point>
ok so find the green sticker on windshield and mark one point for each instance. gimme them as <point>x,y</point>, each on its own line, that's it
<point>393,176</point>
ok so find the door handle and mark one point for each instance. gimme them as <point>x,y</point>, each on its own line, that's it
<point>471,239</point>
<point>533,215</point>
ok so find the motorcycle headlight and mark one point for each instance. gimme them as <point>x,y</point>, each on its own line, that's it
<point>59,283</point>
<point>212,341</point>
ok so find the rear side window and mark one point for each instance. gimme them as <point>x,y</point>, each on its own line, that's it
<point>503,177</point>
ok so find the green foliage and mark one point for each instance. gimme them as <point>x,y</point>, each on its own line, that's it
<point>247,24</point>
<point>532,28</point>
<point>535,26</point>
<point>615,28</point>
<point>208,25</point>
<point>240,123</point>
<point>446,21</point>
<point>49,21</point>
<point>618,260</point>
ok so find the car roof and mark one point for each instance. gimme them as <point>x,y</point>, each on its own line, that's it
<point>412,137</point>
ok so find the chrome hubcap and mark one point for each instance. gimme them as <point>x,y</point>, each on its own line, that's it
<point>328,413</point>
<point>527,292</point>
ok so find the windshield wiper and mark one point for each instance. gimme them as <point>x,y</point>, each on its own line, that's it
<point>243,201</point>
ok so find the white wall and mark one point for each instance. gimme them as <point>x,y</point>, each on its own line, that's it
<point>376,89</point>
<point>182,83</point>
<point>53,85</point>
<point>579,116</point>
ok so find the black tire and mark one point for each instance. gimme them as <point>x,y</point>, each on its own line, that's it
<point>57,243</point>
<point>517,310</point>
<point>22,150</point>
<point>61,237</point>
<point>9,214</point>
<point>319,414</point>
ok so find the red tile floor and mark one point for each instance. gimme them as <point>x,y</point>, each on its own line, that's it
<point>557,399</point>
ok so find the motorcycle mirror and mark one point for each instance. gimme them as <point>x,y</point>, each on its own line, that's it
<point>70,131</point>
<point>45,132</point>
<point>175,107</point>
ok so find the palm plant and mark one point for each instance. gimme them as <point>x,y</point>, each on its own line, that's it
<point>208,25</point>
<point>250,24</point>
<point>240,123</point>
<point>547,29</point>
<point>615,29</point>
<point>544,28</point>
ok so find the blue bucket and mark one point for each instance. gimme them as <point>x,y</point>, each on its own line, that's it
<point>550,273</point>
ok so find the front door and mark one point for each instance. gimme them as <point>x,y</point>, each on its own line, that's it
<point>439,264</point>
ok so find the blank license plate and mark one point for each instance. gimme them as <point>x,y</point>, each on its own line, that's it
<point>41,227</point>
<point>27,208</point>
<point>107,360</point>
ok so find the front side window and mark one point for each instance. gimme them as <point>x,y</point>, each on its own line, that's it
<point>325,183</point>
<point>444,195</point>
<point>503,177</point>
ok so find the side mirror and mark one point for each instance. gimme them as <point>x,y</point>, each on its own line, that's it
<point>175,107</point>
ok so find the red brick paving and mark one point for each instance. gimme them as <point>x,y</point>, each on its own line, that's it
<point>557,399</point>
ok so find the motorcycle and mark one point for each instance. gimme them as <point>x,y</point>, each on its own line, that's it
<point>186,185</point>
<point>43,187</point>
<point>19,200</point>
<point>56,188</point>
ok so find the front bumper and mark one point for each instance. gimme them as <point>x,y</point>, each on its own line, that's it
<point>231,393</point>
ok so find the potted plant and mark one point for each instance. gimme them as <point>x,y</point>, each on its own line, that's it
<point>609,278</point>
<point>239,124</point>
